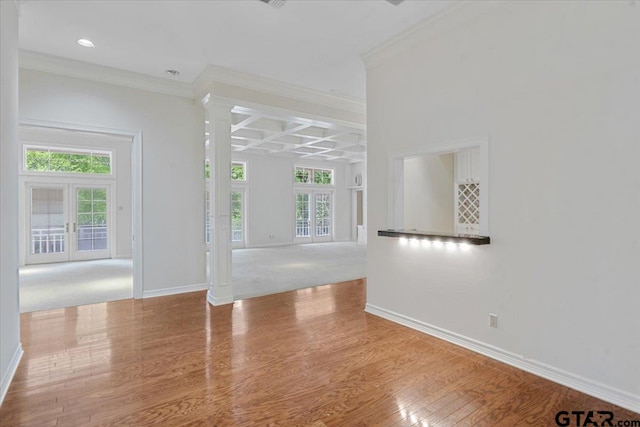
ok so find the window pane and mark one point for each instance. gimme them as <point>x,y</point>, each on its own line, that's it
<point>237,172</point>
<point>236,216</point>
<point>322,176</point>
<point>59,162</point>
<point>84,194</point>
<point>92,219</point>
<point>101,163</point>
<point>207,216</point>
<point>47,220</point>
<point>302,175</point>
<point>80,163</point>
<point>323,214</point>
<point>37,160</point>
<point>303,214</point>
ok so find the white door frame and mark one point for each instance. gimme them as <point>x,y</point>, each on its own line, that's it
<point>136,187</point>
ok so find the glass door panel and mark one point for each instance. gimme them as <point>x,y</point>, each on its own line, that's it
<point>48,223</point>
<point>91,224</point>
<point>323,216</point>
<point>303,215</point>
<point>237,218</point>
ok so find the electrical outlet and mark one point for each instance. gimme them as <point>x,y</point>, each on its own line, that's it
<point>493,320</point>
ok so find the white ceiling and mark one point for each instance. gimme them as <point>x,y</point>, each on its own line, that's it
<point>311,43</point>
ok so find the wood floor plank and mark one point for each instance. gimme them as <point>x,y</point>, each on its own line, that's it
<point>311,357</point>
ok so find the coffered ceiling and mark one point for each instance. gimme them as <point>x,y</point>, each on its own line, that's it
<point>259,133</point>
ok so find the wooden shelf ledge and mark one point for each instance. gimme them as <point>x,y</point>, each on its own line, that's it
<point>443,237</point>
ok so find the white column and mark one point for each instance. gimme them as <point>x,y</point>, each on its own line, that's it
<point>220,288</point>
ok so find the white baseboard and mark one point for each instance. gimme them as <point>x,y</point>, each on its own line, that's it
<point>175,290</point>
<point>219,301</point>
<point>593,388</point>
<point>11,371</point>
<point>267,245</point>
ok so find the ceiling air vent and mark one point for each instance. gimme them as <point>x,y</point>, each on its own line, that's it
<point>274,3</point>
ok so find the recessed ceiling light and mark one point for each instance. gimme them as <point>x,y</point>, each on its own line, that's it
<point>174,73</point>
<point>85,43</point>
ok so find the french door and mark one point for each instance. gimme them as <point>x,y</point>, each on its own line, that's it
<point>67,222</point>
<point>314,216</point>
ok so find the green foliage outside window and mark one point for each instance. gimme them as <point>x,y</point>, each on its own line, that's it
<point>315,176</point>
<point>302,175</point>
<point>321,176</point>
<point>43,160</point>
<point>237,172</point>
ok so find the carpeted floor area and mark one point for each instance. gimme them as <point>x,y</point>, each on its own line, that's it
<point>256,272</point>
<point>263,271</point>
<point>68,284</point>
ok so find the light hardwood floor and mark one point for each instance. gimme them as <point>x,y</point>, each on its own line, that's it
<point>305,358</point>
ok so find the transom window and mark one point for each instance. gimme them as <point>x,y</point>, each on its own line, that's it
<point>238,171</point>
<point>63,160</point>
<point>305,175</point>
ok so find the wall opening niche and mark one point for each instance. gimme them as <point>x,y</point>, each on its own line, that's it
<point>441,190</point>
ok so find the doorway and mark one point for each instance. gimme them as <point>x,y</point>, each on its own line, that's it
<point>80,220</point>
<point>314,216</point>
<point>68,222</point>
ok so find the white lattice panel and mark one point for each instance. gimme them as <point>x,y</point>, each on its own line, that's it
<point>469,203</point>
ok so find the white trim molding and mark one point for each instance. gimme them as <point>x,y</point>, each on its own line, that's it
<point>83,70</point>
<point>214,74</point>
<point>450,17</point>
<point>584,385</point>
<point>175,290</point>
<point>218,301</point>
<point>10,372</point>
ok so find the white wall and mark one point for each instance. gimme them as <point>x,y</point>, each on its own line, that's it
<point>172,152</point>
<point>120,181</point>
<point>269,193</point>
<point>428,193</point>
<point>10,348</point>
<point>556,87</point>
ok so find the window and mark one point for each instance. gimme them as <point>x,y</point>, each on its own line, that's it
<point>237,214</point>
<point>61,160</point>
<point>238,171</point>
<point>207,216</point>
<point>304,175</point>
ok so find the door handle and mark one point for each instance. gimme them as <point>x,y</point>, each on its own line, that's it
<point>66,227</point>
<point>74,227</point>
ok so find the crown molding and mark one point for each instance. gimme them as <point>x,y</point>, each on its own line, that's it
<point>83,70</point>
<point>213,74</point>
<point>430,28</point>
